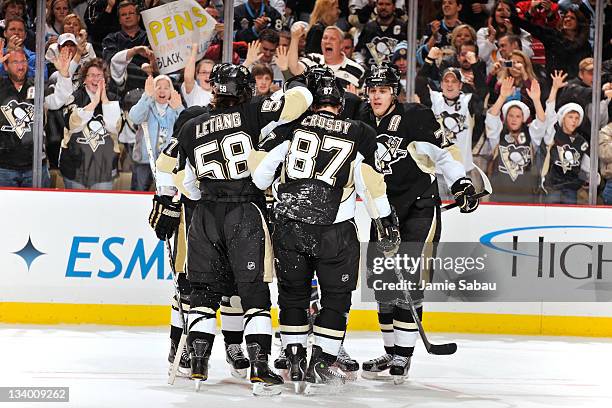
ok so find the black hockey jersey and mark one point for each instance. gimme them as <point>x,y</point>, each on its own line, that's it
<point>16,127</point>
<point>326,161</point>
<point>376,42</point>
<point>409,148</point>
<point>513,175</point>
<point>90,151</point>
<point>217,144</point>
<point>563,161</point>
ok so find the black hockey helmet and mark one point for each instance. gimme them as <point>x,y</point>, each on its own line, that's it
<point>325,87</point>
<point>232,80</point>
<point>383,75</point>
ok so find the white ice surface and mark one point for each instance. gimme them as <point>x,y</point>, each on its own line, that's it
<point>126,367</point>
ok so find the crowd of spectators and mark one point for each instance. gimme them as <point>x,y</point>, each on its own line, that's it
<point>510,82</point>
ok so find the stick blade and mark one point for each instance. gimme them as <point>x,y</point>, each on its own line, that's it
<point>443,349</point>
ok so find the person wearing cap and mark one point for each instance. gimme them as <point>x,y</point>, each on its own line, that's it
<point>159,106</point>
<point>74,33</point>
<point>566,158</point>
<point>580,91</point>
<point>380,36</point>
<point>458,112</point>
<point>514,139</point>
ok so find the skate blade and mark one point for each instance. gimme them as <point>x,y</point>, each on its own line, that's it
<point>399,379</point>
<point>197,383</point>
<point>266,390</point>
<point>299,386</point>
<point>181,372</point>
<point>322,389</point>
<point>348,375</point>
<point>377,375</point>
<point>239,373</point>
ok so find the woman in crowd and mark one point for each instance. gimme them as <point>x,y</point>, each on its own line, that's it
<point>159,106</point>
<point>521,71</point>
<point>325,13</point>
<point>73,25</point>
<point>499,24</point>
<point>566,46</point>
<point>90,151</point>
<point>57,11</point>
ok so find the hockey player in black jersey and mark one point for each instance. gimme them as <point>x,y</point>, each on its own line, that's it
<point>327,161</point>
<point>173,227</point>
<point>408,153</point>
<point>228,239</point>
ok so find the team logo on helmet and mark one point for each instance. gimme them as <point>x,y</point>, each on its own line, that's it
<point>388,152</point>
<point>383,75</point>
<point>19,116</point>
<point>94,133</point>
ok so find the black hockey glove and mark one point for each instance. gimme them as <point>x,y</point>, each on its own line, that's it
<point>464,193</point>
<point>389,241</point>
<point>165,216</point>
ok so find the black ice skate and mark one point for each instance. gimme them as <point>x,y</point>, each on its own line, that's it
<point>377,369</point>
<point>399,369</point>
<point>281,362</point>
<point>184,368</point>
<point>264,380</point>
<point>320,378</point>
<point>237,361</point>
<point>199,354</point>
<point>296,358</point>
<point>346,364</point>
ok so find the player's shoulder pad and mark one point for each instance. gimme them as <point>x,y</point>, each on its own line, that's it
<point>185,115</point>
<point>187,131</point>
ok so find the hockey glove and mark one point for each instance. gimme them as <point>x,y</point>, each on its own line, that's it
<point>165,216</point>
<point>389,239</point>
<point>464,193</point>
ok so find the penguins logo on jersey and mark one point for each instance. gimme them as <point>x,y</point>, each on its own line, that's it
<point>19,116</point>
<point>514,159</point>
<point>568,158</point>
<point>94,133</point>
<point>453,124</point>
<point>381,49</point>
<point>388,152</point>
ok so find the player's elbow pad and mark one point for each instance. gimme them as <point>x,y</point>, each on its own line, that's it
<point>297,101</point>
<point>165,163</point>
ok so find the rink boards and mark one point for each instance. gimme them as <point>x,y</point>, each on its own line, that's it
<point>77,257</point>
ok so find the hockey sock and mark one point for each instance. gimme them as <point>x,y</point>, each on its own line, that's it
<point>176,324</point>
<point>202,324</point>
<point>385,321</point>
<point>232,320</point>
<point>294,326</point>
<point>329,330</point>
<point>405,330</point>
<point>258,328</point>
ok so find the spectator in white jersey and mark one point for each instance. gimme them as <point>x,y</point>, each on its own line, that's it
<point>345,69</point>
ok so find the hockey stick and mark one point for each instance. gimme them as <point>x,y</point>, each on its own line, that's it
<point>487,190</point>
<point>436,349</point>
<point>177,292</point>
